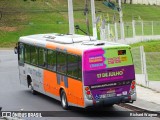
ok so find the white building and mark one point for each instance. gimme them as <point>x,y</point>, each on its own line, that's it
<point>146,2</point>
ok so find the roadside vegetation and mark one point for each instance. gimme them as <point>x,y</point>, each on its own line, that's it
<point>149,46</point>
<point>152,55</point>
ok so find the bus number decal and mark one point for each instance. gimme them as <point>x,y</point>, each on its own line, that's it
<point>116,60</point>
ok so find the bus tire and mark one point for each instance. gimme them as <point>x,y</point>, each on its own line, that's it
<point>64,101</point>
<point>32,89</point>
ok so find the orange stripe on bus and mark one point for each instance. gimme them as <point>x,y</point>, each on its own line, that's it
<point>50,83</point>
<point>51,46</point>
<point>69,50</point>
<point>74,91</point>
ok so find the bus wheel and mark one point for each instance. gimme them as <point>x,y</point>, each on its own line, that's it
<point>32,89</point>
<point>64,101</point>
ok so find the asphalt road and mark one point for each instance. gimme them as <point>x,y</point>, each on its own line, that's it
<point>14,96</point>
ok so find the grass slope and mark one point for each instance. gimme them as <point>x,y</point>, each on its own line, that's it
<point>152,54</point>
<point>149,46</point>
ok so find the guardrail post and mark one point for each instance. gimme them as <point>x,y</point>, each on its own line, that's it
<point>141,55</point>
<point>152,28</point>
<point>144,66</point>
<point>142,29</point>
<point>116,32</point>
<point>109,33</point>
<point>133,27</point>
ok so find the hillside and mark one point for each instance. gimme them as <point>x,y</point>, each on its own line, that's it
<point>21,17</point>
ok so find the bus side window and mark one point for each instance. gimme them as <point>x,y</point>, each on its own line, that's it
<point>61,62</point>
<point>34,55</point>
<point>42,57</point>
<point>27,53</point>
<point>80,67</point>
<point>21,53</point>
<point>72,66</point>
<point>51,60</point>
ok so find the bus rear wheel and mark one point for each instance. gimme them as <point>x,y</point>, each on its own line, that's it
<point>64,101</point>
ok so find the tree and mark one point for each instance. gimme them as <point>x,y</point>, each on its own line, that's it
<point>130,1</point>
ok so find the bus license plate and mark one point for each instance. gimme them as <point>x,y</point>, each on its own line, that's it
<point>110,95</point>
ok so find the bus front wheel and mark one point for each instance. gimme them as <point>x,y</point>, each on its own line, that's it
<point>32,89</point>
<point>64,101</point>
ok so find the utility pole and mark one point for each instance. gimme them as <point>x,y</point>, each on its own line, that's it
<point>121,20</point>
<point>71,18</point>
<point>93,19</point>
<point>86,13</point>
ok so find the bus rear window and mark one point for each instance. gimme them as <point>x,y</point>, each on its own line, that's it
<point>121,52</point>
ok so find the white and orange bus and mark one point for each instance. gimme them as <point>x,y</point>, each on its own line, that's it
<point>76,69</point>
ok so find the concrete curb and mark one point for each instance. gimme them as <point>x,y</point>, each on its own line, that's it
<point>6,48</point>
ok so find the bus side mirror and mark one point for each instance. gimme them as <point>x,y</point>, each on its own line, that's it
<point>16,50</point>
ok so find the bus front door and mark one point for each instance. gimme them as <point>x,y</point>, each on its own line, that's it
<point>21,64</point>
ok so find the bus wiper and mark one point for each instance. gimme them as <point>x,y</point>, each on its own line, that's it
<point>78,28</point>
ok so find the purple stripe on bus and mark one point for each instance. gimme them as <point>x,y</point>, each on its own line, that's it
<point>110,81</point>
<point>122,73</point>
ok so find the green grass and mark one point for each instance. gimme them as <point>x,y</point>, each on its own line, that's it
<point>149,46</point>
<point>136,60</point>
<point>152,53</point>
<point>21,18</point>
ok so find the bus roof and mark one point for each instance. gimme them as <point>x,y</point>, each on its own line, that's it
<point>72,43</point>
